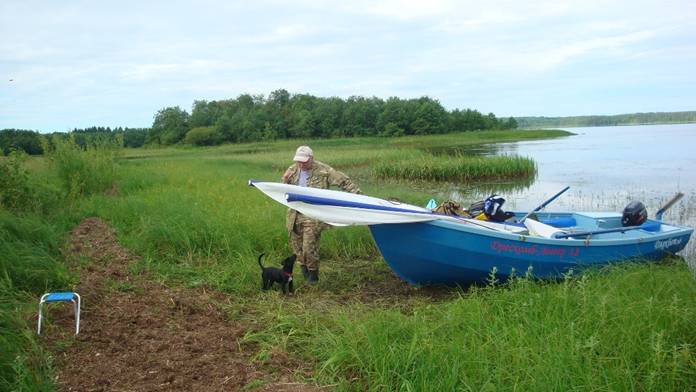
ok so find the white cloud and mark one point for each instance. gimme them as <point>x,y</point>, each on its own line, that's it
<point>466,53</point>
<point>143,72</point>
<point>546,58</point>
<point>408,9</point>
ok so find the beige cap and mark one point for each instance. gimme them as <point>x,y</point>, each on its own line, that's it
<point>303,154</point>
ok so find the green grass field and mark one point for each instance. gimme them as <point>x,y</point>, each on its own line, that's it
<point>194,221</point>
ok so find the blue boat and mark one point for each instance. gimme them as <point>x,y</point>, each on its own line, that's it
<point>447,252</point>
<point>424,247</point>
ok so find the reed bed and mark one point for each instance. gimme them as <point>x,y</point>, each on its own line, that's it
<point>429,167</point>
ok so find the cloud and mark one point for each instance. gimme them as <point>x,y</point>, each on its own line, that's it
<point>82,57</point>
<point>545,58</point>
<point>408,9</point>
<point>142,72</point>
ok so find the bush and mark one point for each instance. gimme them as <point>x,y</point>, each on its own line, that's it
<point>85,171</point>
<point>134,137</point>
<point>392,129</point>
<point>14,182</point>
<point>203,136</point>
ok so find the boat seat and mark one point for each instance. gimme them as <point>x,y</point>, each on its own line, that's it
<point>540,229</point>
<point>560,222</point>
<point>651,225</point>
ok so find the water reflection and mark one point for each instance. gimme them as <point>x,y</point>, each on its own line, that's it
<point>476,150</point>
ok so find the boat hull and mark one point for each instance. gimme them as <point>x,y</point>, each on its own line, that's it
<point>441,252</point>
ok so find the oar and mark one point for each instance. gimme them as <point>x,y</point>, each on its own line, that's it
<point>544,204</point>
<point>588,233</point>
<point>658,214</point>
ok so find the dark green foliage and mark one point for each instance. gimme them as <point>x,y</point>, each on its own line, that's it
<point>391,129</point>
<point>19,139</point>
<point>88,136</point>
<point>203,136</point>
<point>204,113</point>
<point>360,115</point>
<point>511,123</point>
<point>127,137</point>
<point>465,120</point>
<point>33,143</point>
<point>134,137</point>
<point>281,115</point>
<point>250,118</point>
<point>619,119</point>
<point>170,126</point>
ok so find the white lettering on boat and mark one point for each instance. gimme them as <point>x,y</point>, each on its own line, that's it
<point>665,244</point>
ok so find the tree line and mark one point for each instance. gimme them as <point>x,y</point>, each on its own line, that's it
<point>280,115</point>
<point>598,121</point>
<point>250,118</point>
<point>34,143</point>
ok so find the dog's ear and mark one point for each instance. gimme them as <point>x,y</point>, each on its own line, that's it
<point>289,260</point>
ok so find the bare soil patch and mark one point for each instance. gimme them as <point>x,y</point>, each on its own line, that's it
<point>139,335</point>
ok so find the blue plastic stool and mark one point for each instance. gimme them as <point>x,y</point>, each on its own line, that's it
<point>65,296</point>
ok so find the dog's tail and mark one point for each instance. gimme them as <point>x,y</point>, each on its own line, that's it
<point>260,256</point>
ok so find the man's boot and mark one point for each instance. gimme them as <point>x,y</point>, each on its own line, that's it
<point>305,271</point>
<point>313,277</point>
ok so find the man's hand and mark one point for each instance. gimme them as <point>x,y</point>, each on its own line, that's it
<point>286,177</point>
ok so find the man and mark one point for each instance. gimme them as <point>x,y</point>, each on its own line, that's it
<point>304,232</point>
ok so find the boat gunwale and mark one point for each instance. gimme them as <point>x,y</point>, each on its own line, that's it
<point>468,227</point>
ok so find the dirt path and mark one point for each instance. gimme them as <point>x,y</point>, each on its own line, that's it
<point>139,335</point>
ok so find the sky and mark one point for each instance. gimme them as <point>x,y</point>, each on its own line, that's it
<point>74,64</point>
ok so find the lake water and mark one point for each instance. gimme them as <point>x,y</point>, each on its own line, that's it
<point>606,168</point>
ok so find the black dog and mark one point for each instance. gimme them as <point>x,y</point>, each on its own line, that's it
<point>270,275</point>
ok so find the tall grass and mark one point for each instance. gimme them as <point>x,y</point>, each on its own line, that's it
<point>200,223</point>
<point>84,171</point>
<point>24,365</point>
<point>194,221</point>
<point>624,329</point>
<point>29,266</point>
<point>460,167</point>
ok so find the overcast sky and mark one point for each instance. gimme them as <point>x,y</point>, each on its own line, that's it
<point>67,64</point>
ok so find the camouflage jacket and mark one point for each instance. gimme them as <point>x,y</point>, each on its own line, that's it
<point>321,176</point>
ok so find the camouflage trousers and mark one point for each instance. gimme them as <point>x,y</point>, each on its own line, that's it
<point>304,240</point>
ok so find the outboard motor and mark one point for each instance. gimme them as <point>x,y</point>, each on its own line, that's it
<point>634,214</point>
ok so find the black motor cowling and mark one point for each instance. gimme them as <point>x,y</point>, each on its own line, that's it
<point>634,214</point>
